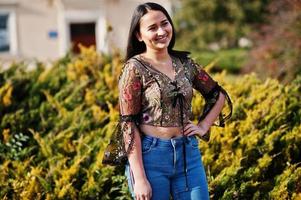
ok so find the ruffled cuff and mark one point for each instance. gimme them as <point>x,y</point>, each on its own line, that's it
<point>121,141</point>
<point>210,100</point>
<point>128,125</point>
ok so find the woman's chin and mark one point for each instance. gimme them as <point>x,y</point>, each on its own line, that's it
<point>161,46</point>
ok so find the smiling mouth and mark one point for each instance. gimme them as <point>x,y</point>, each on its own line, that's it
<point>162,39</point>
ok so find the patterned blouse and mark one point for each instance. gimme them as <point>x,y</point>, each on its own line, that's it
<point>155,99</point>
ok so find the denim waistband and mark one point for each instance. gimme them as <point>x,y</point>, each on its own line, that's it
<point>167,142</point>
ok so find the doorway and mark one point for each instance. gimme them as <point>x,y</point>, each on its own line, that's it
<point>82,33</point>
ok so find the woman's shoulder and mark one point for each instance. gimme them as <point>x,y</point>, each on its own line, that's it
<point>134,61</point>
<point>191,62</point>
<point>130,61</point>
<point>183,56</point>
<point>187,61</point>
<point>133,65</point>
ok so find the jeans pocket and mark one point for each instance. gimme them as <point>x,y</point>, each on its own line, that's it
<point>146,145</point>
<point>193,142</point>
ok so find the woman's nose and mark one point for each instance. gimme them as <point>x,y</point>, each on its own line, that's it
<point>161,31</point>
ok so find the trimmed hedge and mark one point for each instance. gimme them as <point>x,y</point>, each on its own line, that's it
<point>55,123</point>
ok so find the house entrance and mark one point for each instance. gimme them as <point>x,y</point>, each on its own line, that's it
<point>82,33</point>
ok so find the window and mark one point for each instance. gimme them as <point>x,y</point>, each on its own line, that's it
<point>4,33</point>
<point>8,31</point>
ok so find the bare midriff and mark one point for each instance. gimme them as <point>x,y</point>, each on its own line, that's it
<point>161,132</point>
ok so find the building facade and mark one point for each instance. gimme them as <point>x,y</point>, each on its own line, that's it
<point>47,29</point>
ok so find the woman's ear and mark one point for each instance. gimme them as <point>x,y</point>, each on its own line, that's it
<point>138,36</point>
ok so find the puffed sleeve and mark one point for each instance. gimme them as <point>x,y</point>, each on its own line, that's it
<point>210,90</point>
<point>129,86</point>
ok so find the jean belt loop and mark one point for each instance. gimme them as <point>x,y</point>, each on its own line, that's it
<point>154,141</point>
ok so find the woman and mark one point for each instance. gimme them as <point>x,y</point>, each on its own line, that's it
<point>155,90</point>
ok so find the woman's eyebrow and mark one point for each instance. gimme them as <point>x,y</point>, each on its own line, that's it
<point>164,20</point>
<point>151,25</point>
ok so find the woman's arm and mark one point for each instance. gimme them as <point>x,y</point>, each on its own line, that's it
<point>130,105</point>
<point>204,125</point>
<point>142,188</point>
<point>207,122</point>
<point>215,97</point>
<point>135,156</point>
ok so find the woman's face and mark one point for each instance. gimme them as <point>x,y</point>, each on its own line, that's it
<point>155,30</point>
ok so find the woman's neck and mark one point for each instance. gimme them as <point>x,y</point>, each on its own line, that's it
<point>160,56</point>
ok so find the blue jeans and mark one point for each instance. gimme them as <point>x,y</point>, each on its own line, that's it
<point>164,167</point>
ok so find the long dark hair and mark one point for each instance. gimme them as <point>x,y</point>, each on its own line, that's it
<point>134,46</point>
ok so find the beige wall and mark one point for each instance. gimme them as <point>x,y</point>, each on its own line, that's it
<point>35,18</point>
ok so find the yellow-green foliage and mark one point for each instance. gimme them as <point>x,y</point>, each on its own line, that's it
<point>56,122</point>
<point>247,158</point>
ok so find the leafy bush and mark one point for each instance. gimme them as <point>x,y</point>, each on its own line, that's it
<point>230,60</point>
<point>55,123</point>
<point>277,44</point>
<point>223,23</point>
<point>257,155</point>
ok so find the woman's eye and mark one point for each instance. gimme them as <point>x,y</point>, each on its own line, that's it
<point>164,23</point>
<point>152,28</point>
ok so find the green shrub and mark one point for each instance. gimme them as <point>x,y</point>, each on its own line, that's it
<point>55,123</point>
<point>230,60</point>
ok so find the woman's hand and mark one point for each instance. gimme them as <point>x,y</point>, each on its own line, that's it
<point>192,129</point>
<point>142,189</point>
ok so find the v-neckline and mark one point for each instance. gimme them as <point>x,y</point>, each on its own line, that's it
<point>158,71</point>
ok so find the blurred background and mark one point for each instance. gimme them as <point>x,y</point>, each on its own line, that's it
<point>59,66</point>
<point>243,36</point>
<point>48,29</point>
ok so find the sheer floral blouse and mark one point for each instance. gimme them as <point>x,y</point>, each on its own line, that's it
<point>147,96</point>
